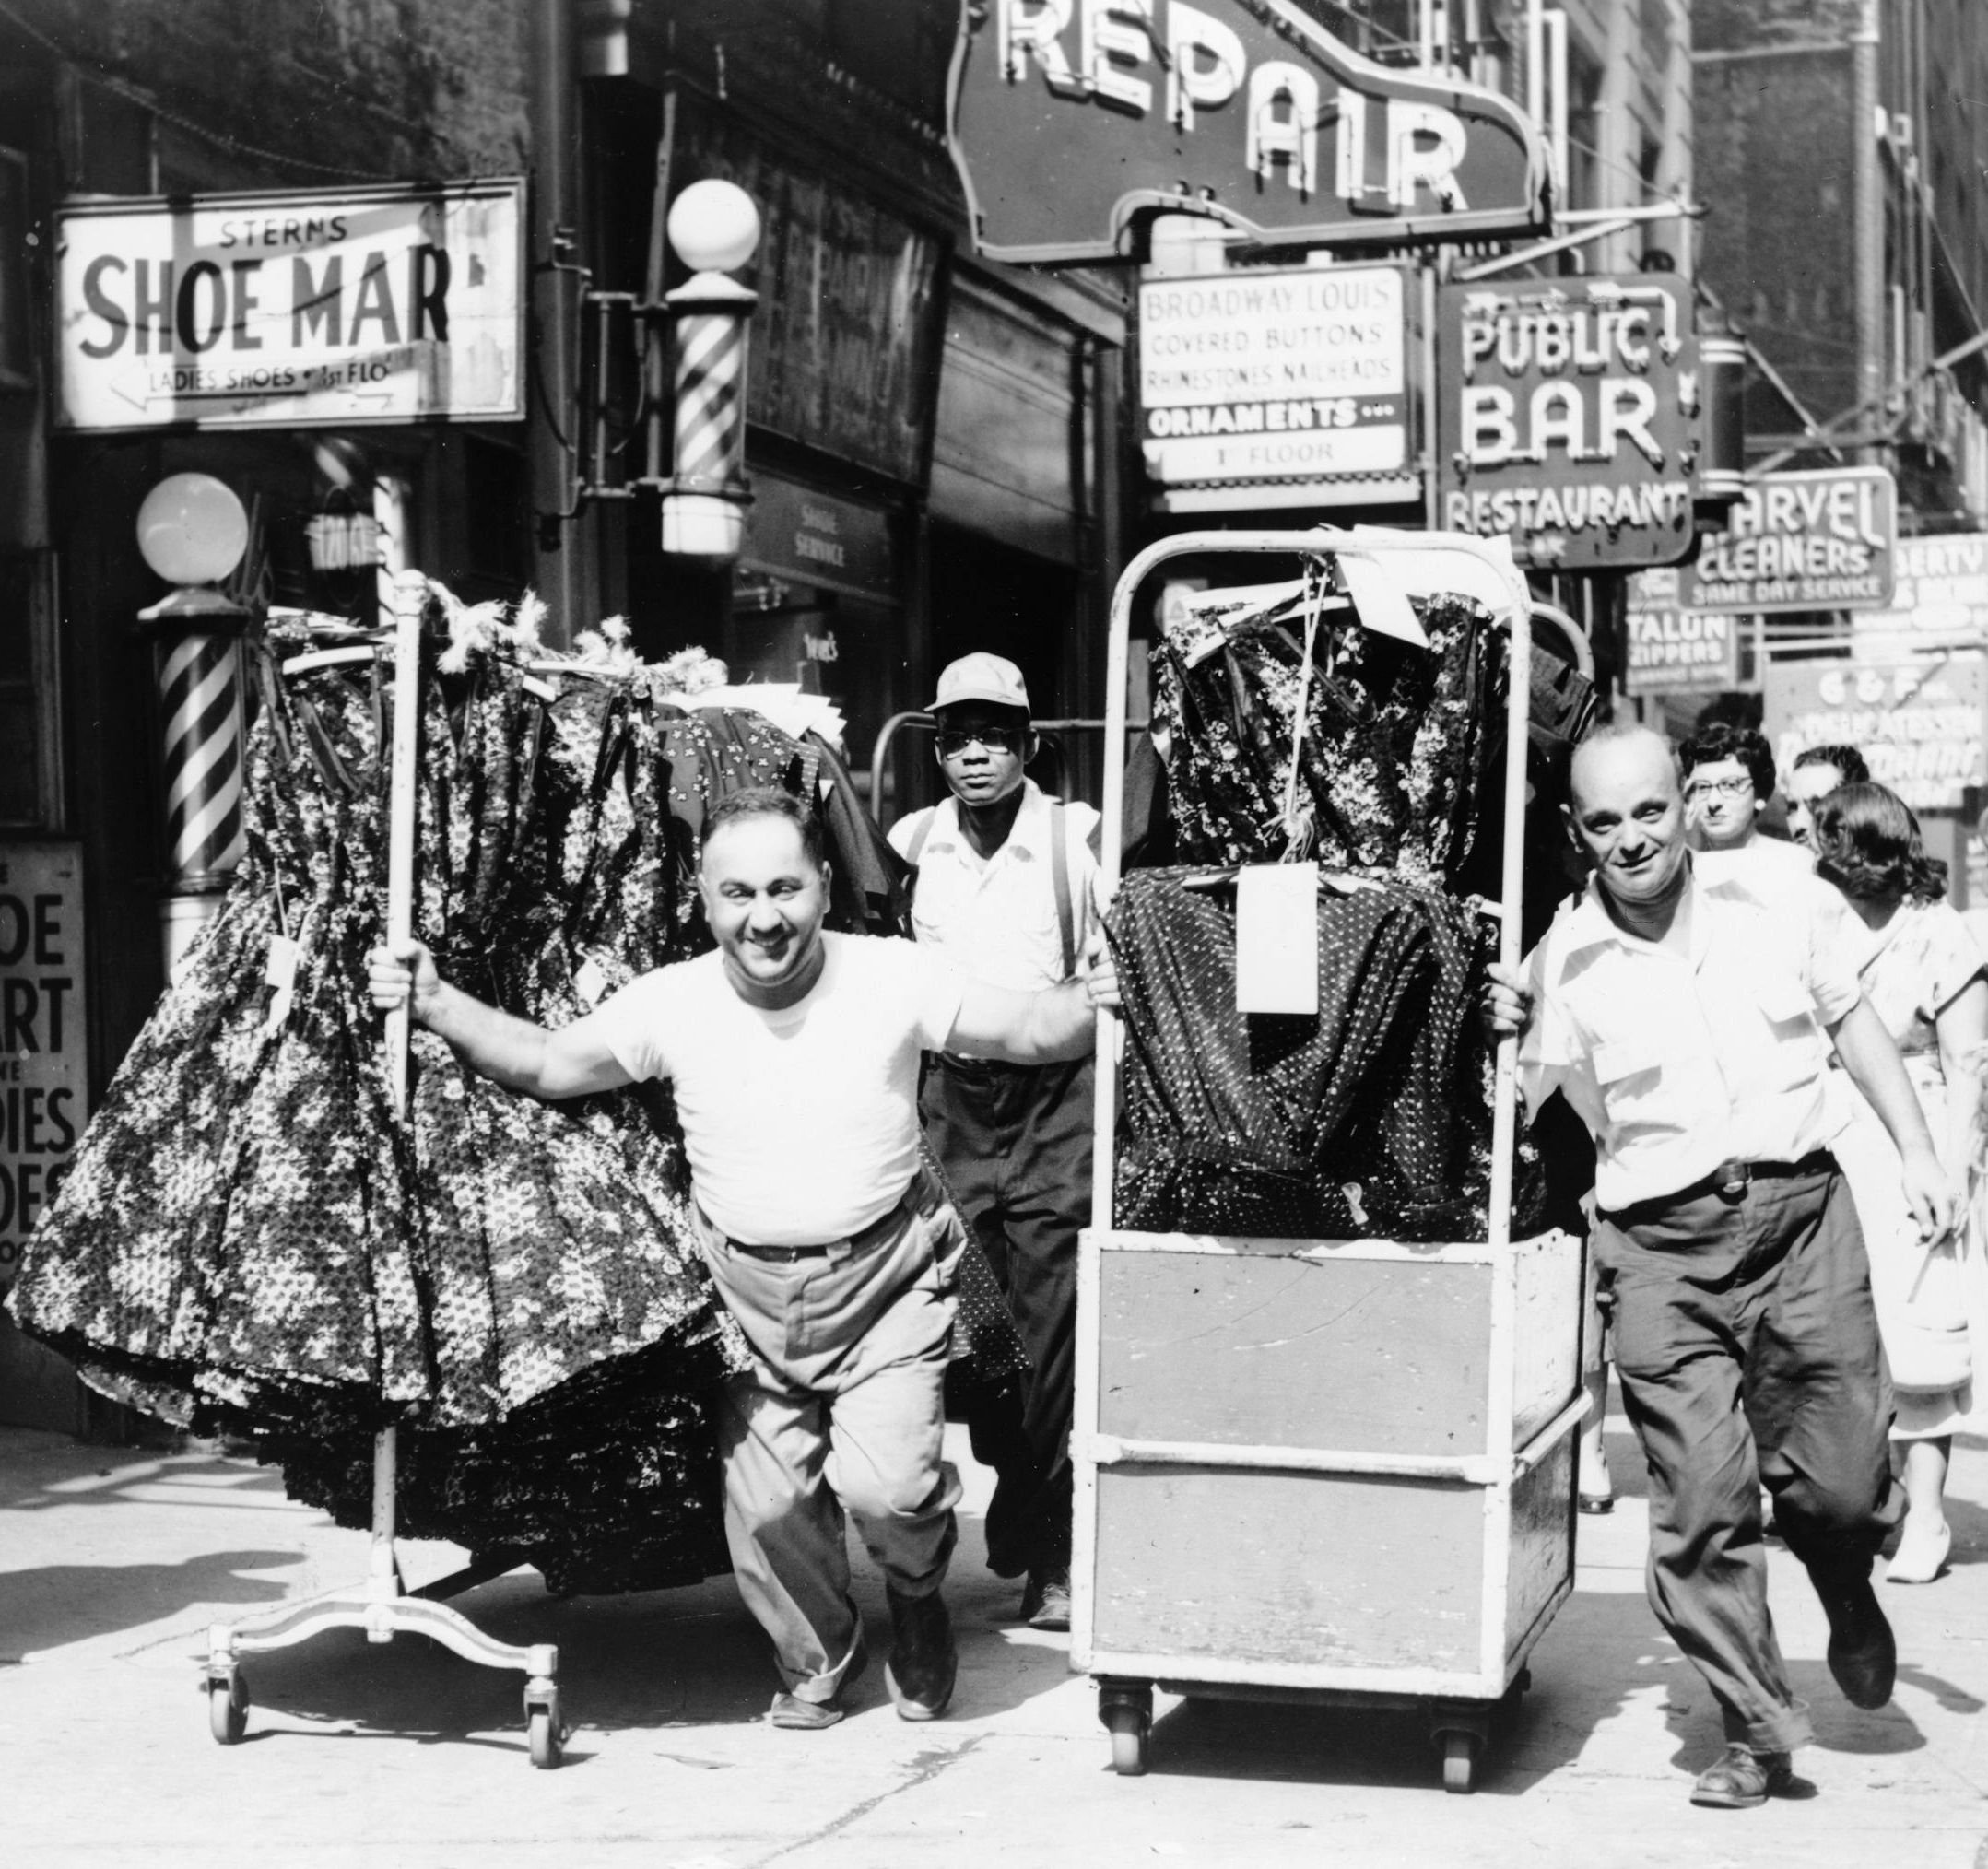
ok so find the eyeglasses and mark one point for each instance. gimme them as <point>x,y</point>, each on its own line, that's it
<point>1720,788</point>
<point>955,740</point>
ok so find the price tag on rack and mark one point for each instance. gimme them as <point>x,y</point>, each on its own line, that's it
<point>1278,938</point>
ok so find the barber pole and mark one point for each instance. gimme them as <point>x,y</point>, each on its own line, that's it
<point>714,226</point>
<point>199,680</point>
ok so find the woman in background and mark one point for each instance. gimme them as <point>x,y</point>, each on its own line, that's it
<point>1925,976</point>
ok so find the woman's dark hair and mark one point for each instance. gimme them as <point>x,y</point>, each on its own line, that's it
<point>769,801</point>
<point>1868,844</point>
<point>1721,740</point>
<point>1846,762</point>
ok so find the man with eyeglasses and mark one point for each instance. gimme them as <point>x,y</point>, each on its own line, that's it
<point>1005,893</point>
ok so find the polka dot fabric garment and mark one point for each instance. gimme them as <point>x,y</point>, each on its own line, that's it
<point>1368,1118</point>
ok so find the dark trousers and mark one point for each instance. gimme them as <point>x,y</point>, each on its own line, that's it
<point>1747,1350</point>
<point>1014,1141</point>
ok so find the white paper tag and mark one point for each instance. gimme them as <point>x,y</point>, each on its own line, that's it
<point>1380,599</point>
<point>543,690</point>
<point>1278,938</point>
<point>590,981</point>
<point>281,974</point>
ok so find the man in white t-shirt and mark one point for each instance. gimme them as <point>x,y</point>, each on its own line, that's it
<point>1005,893</point>
<point>794,1055</point>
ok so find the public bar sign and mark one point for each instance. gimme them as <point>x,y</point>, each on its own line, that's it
<point>1672,650</point>
<point>1814,541</point>
<point>44,1084</point>
<point>329,308</point>
<point>1289,382</point>
<point>1567,419</point>
<point>1919,724</point>
<point>1072,119</point>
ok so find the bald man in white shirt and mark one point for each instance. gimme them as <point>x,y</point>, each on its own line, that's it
<point>1688,1021</point>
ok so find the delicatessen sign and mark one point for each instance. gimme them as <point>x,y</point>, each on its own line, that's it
<point>332,307</point>
<point>1070,119</point>
<point>1919,724</point>
<point>1567,419</point>
<point>43,1066</point>
<point>1815,541</point>
<point>1290,375</point>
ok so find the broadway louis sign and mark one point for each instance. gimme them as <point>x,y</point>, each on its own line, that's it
<point>1070,119</point>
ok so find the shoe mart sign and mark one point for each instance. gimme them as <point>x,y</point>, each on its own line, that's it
<point>1919,724</point>
<point>1071,119</point>
<point>332,307</point>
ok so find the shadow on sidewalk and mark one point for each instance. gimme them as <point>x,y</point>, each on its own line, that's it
<point>48,1607</point>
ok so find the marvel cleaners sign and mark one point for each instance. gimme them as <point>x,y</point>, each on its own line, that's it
<point>1292,382</point>
<point>1567,419</point>
<point>1070,119</point>
<point>43,1068</point>
<point>252,310</point>
<point>1820,541</point>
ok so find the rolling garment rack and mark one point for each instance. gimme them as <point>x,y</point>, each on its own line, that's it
<point>382,1606</point>
<point>1370,1443</point>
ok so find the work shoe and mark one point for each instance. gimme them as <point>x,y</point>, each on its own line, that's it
<point>1863,1653</point>
<point>1045,1604</point>
<point>1744,1777</point>
<point>796,1715</point>
<point>922,1657</point>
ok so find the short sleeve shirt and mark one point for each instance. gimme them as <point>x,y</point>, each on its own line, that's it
<point>996,917</point>
<point>801,1124</point>
<point>1678,1061</point>
<point>1924,958</point>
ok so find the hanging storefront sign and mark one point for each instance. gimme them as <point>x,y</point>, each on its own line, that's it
<point>805,537</point>
<point>44,1033</point>
<point>1071,119</point>
<point>1567,418</point>
<point>1939,601</point>
<point>846,335</point>
<point>1672,650</point>
<point>297,310</point>
<point>1919,724</point>
<point>1815,541</point>
<point>1279,387</point>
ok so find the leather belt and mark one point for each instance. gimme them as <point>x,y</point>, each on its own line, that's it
<point>875,1234</point>
<point>1729,1180</point>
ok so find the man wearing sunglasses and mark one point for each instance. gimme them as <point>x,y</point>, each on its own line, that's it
<point>1005,893</point>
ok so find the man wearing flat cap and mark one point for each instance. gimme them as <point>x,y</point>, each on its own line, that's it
<point>1005,893</point>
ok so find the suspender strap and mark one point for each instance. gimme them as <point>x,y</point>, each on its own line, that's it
<point>1059,870</point>
<point>921,834</point>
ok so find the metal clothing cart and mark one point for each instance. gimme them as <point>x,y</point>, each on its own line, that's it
<point>382,1606</point>
<point>1334,1472</point>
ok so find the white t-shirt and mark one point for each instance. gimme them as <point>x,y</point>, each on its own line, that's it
<point>802,1124</point>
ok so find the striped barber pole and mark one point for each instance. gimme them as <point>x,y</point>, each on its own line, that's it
<point>199,682</point>
<point>711,400</point>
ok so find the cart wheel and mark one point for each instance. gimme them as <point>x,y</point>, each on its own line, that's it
<point>1460,1754</point>
<point>542,1723</point>
<point>1131,1740</point>
<point>228,1709</point>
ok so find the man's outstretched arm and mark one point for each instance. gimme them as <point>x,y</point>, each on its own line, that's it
<point>509,1051</point>
<point>1044,1028</point>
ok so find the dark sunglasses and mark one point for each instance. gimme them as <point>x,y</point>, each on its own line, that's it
<point>952,740</point>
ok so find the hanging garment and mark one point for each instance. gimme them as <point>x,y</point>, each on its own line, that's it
<point>1370,1117</point>
<point>1393,752</point>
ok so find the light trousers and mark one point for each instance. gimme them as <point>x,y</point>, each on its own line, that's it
<point>842,1409</point>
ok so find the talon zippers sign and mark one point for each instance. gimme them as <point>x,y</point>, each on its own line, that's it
<point>292,311</point>
<point>1070,119</point>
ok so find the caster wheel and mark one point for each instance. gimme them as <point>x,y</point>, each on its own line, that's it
<point>1460,1753</point>
<point>1131,1740</point>
<point>543,1727</point>
<point>228,1709</point>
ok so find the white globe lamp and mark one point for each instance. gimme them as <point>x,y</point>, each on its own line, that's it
<point>714,226</point>
<point>193,530</point>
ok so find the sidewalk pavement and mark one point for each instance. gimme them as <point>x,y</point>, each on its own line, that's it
<point>112,1563</point>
